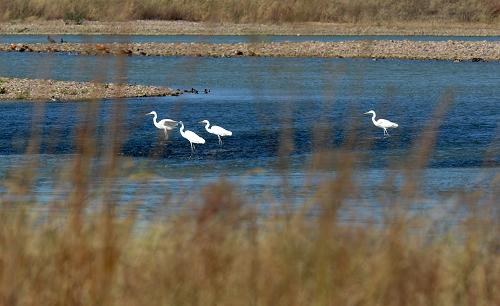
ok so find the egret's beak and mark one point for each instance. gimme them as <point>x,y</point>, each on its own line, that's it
<point>366,113</point>
<point>201,122</point>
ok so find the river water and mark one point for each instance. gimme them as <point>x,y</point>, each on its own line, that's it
<point>307,104</point>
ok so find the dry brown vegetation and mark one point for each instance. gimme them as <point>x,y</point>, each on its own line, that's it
<point>225,255</point>
<point>259,11</point>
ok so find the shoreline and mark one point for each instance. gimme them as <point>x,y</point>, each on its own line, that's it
<point>53,90</point>
<point>433,27</point>
<point>390,49</point>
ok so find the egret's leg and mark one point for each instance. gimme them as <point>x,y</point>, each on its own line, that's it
<point>220,141</point>
<point>192,147</point>
<point>166,134</point>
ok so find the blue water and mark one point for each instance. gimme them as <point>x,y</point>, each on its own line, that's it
<point>228,39</point>
<point>261,100</point>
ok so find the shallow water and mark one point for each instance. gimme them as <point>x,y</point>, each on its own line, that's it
<point>228,39</point>
<point>258,99</point>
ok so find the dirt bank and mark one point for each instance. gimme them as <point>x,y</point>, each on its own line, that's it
<point>36,89</point>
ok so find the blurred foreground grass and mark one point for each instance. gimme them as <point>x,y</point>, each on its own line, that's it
<point>223,253</point>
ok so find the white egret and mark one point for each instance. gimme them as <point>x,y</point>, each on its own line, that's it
<point>216,130</point>
<point>166,124</point>
<point>190,136</point>
<point>382,123</point>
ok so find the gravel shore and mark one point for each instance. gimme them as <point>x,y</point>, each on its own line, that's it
<point>159,27</point>
<point>396,49</point>
<point>35,89</point>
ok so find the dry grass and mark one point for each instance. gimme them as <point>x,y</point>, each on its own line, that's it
<point>259,11</point>
<point>225,255</point>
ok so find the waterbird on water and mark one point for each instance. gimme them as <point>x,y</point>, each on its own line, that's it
<point>382,123</point>
<point>50,39</point>
<point>166,124</point>
<point>216,130</point>
<point>190,136</point>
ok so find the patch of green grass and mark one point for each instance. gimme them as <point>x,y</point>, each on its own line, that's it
<point>23,95</point>
<point>71,92</point>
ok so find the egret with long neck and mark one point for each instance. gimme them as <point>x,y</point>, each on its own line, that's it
<point>166,124</point>
<point>382,123</point>
<point>216,130</point>
<point>192,137</point>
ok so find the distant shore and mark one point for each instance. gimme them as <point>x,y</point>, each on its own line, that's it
<point>51,90</point>
<point>377,49</point>
<point>157,27</point>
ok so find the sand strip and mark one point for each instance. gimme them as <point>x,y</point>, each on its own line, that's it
<point>36,89</point>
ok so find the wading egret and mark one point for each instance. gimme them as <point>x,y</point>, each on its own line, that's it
<point>190,136</point>
<point>165,124</point>
<point>216,130</point>
<point>382,123</point>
